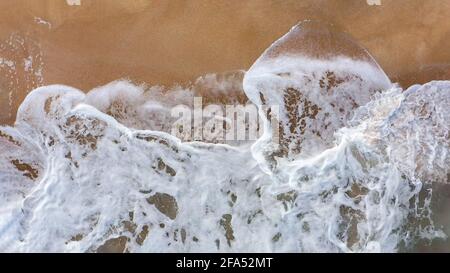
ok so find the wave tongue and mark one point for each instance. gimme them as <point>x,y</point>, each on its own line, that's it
<point>317,77</point>
<point>317,40</point>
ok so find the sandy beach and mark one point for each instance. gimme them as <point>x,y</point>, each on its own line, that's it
<point>167,42</point>
<point>224,126</point>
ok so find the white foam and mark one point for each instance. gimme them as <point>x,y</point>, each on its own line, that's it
<point>78,174</point>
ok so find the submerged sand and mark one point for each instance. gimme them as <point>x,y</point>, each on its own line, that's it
<point>166,42</point>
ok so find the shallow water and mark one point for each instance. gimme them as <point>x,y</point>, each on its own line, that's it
<point>359,164</point>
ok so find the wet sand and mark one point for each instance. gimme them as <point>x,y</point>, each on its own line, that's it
<point>167,42</point>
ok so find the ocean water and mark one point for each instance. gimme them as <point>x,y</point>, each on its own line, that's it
<point>351,162</point>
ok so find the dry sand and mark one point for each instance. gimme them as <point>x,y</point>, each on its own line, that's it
<point>166,42</point>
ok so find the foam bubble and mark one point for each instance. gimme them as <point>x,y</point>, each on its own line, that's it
<point>317,77</point>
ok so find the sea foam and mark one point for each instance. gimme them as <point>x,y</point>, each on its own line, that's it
<point>353,170</point>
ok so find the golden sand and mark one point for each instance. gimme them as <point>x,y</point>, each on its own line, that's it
<point>166,42</point>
